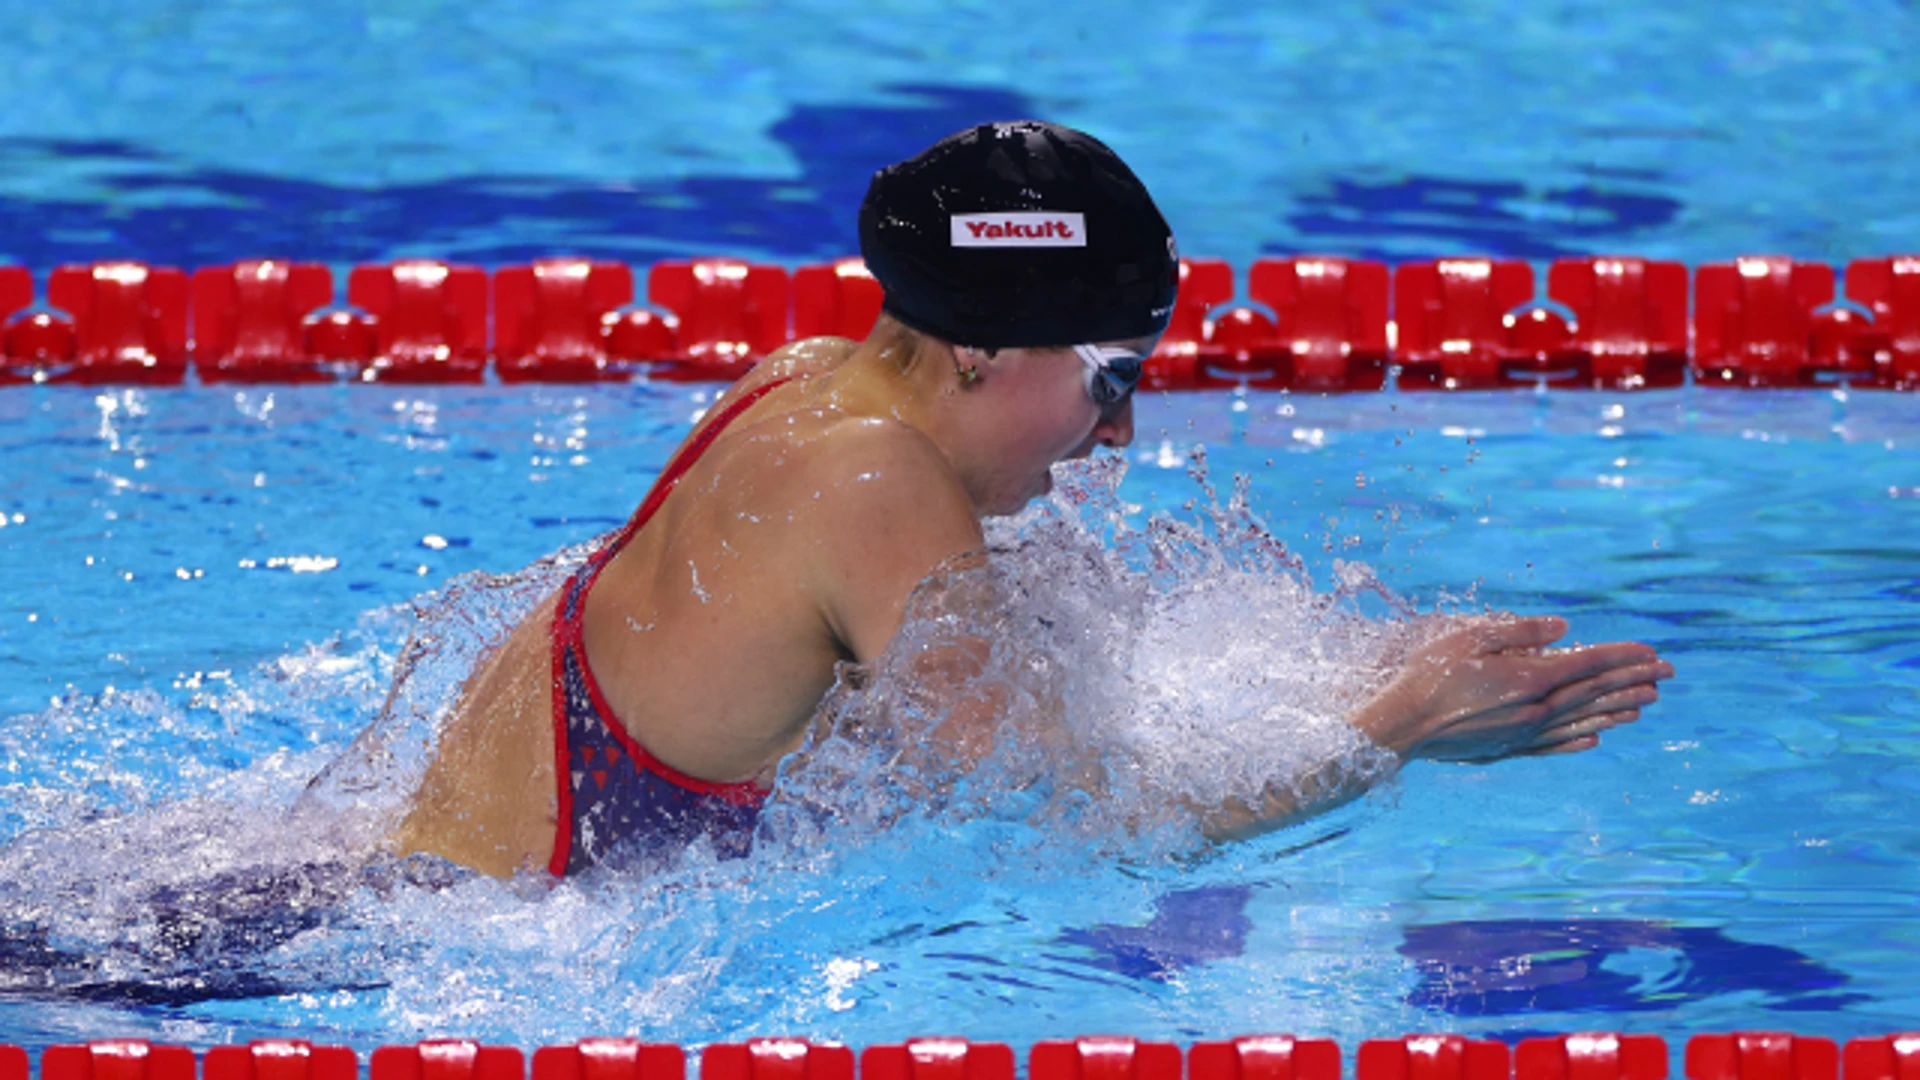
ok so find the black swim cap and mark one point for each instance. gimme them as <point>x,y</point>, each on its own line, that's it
<point>1019,234</point>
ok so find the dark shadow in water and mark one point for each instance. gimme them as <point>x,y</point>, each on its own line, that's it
<point>142,204</point>
<point>1188,928</point>
<point>182,945</point>
<point>216,939</point>
<point>1390,219</point>
<point>164,210</point>
<point>1511,967</point>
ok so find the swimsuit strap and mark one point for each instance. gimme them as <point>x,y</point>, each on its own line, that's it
<point>573,603</point>
<point>690,455</point>
<point>569,634</point>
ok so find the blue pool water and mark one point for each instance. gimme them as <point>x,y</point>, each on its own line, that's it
<point>206,592</point>
<point>203,594</point>
<point>200,132</point>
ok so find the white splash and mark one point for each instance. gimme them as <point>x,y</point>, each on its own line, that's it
<point>1140,672</point>
<point>1138,667</point>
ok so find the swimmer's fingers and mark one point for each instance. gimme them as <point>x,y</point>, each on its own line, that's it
<point>1569,738</point>
<point>1545,690</point>
<point>1508,635</point>
<point>1488,691</point>
<point>1632,698</point>
<point>1570,746</point>
<point>1624,709</point>
<point>1580,728</point>
<point>1584,735</point>
<point>1581,693</point>
<point>1575,726</point>
<point>1563,679</point>
<point>1567,666</point>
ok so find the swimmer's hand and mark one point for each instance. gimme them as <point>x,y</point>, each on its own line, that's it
<point>1486,690</point>
<point>1491,690</point>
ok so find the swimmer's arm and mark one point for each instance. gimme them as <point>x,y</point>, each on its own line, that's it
<point>890,512</point>
<point>1486,691</point>
<point>1327,788</point>
<point>890,515</point>
<point>1482,692</point>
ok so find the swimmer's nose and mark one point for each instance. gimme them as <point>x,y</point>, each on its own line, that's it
<point>1115,430</point>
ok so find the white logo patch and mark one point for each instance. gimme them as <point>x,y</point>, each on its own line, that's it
<point>1020,228</point>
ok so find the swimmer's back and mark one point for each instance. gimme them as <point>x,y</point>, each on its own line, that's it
<point>709,633</point>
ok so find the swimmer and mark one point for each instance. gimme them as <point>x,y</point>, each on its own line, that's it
<point>1026,274</point>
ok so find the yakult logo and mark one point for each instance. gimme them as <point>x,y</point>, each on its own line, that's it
<point>1020,228</point>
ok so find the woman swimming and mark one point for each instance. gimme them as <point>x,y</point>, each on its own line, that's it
<point>1026,274</point>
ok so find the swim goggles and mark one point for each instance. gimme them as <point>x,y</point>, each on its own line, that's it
<point>1112,373</point>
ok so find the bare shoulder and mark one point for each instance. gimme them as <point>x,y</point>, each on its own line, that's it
<point>882,464</point>
<point>839,480</point>
<point>808,356</point>
<point>884,511</point>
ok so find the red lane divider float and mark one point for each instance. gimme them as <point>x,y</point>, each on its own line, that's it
<point>16,294</point>
<point>279,1059</point>
<point>117,1059</point>
<point>1591,1057</point>
<point>1754,324</point>
<point>454,1059</point>
<point>1890,291</point>
<point>776,1059</point>
<point>938,1059</point>
<point>1452,319</point>
<point>119,322</point>
<point>1306,323</point>
<point>840,299</point>
<point>1432,1057</point>
<point>1103,1058</point>
<point>250,321</point>
<point>731,314</point>
<point>610,1059</point>
<point>429,320</point>
<point>1761,1055</point>
<point>1328,329</point>
<point>1588,1056</point>
<point>551,321</point>
<point>1271,1057</point>
<point>1331,318</point>
<point>1630,321</point>
<point>1895,1057</point>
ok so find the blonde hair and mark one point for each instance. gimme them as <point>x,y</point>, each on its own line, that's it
<point>902,344</point>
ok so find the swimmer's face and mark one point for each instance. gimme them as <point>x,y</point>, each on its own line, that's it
<point>1043,415</point>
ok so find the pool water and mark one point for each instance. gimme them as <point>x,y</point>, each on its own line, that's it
<point>202,132</point>
<point>204,594</point>
<point>206,591</point>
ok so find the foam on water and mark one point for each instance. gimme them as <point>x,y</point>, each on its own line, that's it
<point>361,794</point>
<point>1136,669</point>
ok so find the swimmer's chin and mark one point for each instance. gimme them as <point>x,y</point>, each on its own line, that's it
<point>1015,504</point>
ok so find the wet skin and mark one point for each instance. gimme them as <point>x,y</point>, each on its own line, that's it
<point>793,544</point>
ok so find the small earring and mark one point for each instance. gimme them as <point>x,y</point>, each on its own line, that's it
<point>970,373</point>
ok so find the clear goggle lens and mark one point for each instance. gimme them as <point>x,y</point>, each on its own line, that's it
<point>1112,374</point>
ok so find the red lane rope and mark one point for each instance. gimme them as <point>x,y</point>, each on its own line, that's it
<point>1303,323</point>
<point>1583,1056</point>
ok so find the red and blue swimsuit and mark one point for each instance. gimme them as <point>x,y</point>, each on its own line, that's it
<point>612,792</point>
